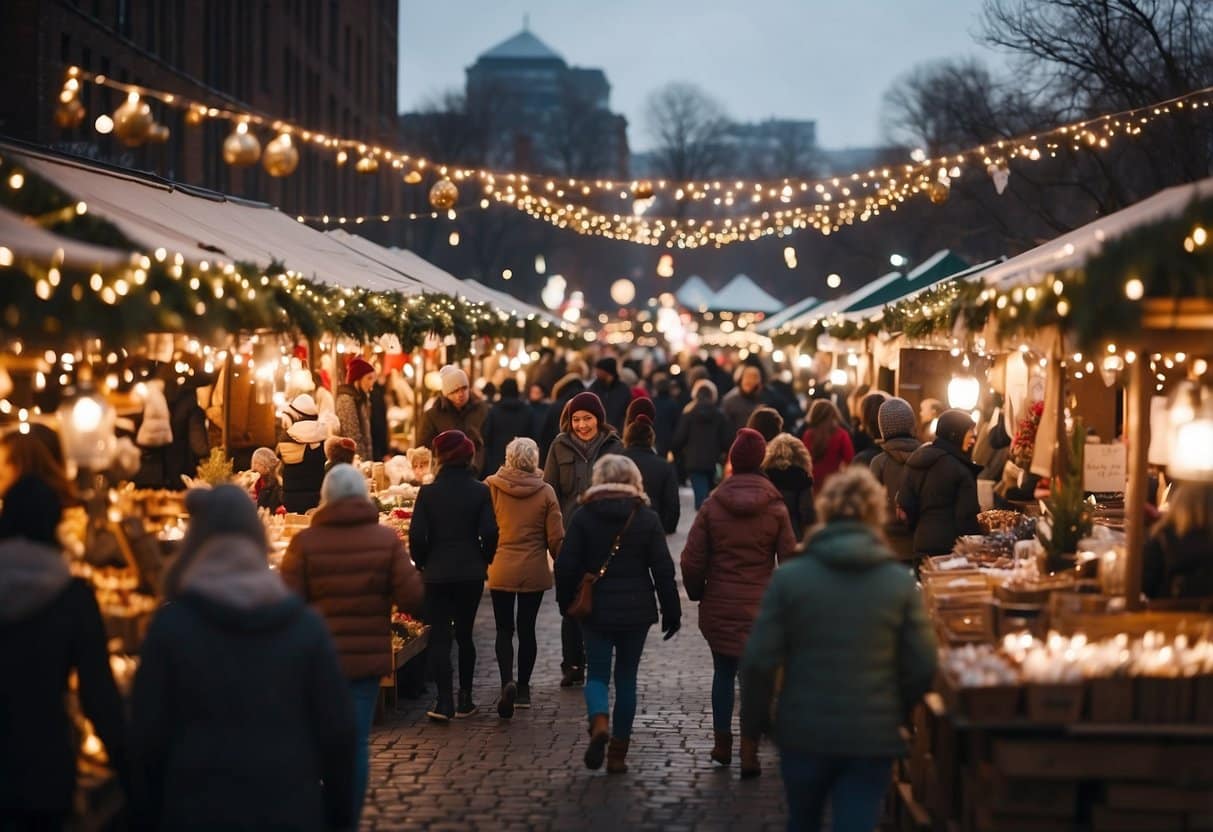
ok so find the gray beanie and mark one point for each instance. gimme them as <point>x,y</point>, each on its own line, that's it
<point>896,418</point>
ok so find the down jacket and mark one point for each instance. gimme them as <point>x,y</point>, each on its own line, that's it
<point>623,598</point>
<point>702,437</point>
<point>729,556</point>
<point>453,536</point>
<point>846,623</point>
<point>351,570</point>
<point>889,468</point>
<point>530,526</point>
<point>939,497</point>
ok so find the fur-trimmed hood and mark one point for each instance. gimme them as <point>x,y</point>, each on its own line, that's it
<point>31,576</point>
<point>614,491</point>
<point>559,387</point>
<point>231,571</point>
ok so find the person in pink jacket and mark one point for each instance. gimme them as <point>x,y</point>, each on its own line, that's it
<point>828,442</point>
<point>730,553</point>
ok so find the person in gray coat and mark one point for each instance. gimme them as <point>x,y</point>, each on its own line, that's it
<point>897,430</point>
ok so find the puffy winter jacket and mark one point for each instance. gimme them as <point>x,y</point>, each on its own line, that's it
<point>846,623</point>
<point>351,570</point>
<point>730,553</point>
<point>660,484</point>
<point>796,486</point>
<point>703,437</point>
<point>453,535</point>
<point>531,526</point>
<point>939,497</point>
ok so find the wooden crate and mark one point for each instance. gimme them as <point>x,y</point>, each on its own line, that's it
<point>1110,699</point>
<point>1163,700</point>
<point>981,705</point>
<point>1054,704</point>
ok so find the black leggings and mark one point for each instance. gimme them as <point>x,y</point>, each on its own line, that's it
<point>450,609</point>
<point>503,612</point>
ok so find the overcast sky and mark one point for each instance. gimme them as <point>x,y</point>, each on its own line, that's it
<point>828,60</point>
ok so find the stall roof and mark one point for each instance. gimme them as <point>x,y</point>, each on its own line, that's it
<point>25,239</point>
<point>410,265</point>
<point>784,315</point>
<point>833,307</point>
<point>507,302</point>
<point>939,266</point>
<point>1076,247</point>
<point>742,294</point>
<point>203,225</point>
<point>695,293</point>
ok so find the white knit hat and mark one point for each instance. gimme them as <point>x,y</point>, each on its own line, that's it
<point>452,379</point>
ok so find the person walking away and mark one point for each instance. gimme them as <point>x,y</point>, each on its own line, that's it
<point>767,421</point>
<point>530,528</point>
<point>737,538</point>
<point>452,539</point>
<point>616,529</point>
<point>459,408</point>
<point>353,406</point>
<point>828,442</point>
<point>899,440</point>
<point>49,626</point>
<point>241,715</point>
<point>302,452</point>
<point>788,467</point>
<point>1176,562</point>
<point>845,623</point>
<point>668,410</point>
<point>866,438</point>
<point>267,490</point>
<point>615,395</point>
<point>702,438</point>
<point>744,399</point>
<point>351,570</point>
<point>584,438</point>
<point>938,496</point>
<point>508,419</point>
<point>660,478</point>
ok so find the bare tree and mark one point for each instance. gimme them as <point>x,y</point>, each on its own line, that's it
<point>689,126</point>
<point>584,136</point>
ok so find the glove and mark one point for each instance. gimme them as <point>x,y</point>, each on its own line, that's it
<point>670,626</point>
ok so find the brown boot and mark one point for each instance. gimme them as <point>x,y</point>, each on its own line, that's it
<point>750,766</point>
<point>722,751</point>
<point>617,756</point>
<point>600,732</point>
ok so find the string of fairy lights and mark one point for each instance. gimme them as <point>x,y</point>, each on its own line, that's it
<point>782,206</point>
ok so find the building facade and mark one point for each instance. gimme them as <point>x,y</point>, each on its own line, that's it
<point>328,66</point>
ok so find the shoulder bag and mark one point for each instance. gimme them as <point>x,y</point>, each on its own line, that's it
<point>583,604</point>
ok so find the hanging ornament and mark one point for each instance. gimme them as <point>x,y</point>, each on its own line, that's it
<point>195,115</point>
<point>280,157</point>
<point>412,177</point>
<point>1001,174</point>
<point>367,164</point>
<point>938,192</point>
<point>643,190</point>
<point>444,195</point>
<point>159,134</point>
<point>133,121</point>
<point>69,114</point>
<point>241,148</point>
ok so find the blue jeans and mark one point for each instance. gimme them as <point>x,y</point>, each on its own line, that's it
<point>724,682</point>
<point>365,693</point>
<point>854,787</point>
<point>701,484</point>
<point>627,648</point>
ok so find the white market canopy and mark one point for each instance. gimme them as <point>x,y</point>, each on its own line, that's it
<point>695,293</point>
<point>741,294</point>
<point>773,322</point>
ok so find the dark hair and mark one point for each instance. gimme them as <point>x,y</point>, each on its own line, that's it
<point>32,510</point>
<point>31,456</point>
<point>824,421</point>
<point>509,389</point>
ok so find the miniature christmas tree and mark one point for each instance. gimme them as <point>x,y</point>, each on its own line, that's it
<point>1067,513</point>
<point>216,469</point>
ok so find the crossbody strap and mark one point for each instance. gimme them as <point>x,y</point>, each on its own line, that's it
<point>615,546</point>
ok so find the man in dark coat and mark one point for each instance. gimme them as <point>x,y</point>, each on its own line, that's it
<point>508,419</point>
<point>459,408</point>
<point>615,395</point>
<point>939,494</point>
<point>660,479</point>
<point>669,409</point>
<point>702,438</point>
<point>898,430</point>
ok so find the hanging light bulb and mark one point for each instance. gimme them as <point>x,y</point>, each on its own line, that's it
<point>964,391</point>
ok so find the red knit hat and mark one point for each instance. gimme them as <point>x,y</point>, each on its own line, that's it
<point>452,447</point>
<point>590,403</point>
<point>747,452</point>
<point>638,406</point>
<point>356,369</point>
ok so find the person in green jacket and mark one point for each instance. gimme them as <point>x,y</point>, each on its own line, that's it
<point>846,623</point>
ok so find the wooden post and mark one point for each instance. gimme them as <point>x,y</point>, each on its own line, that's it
<point>1137,429</point>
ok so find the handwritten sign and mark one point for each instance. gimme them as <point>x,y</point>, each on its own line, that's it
<point>1105,468</point>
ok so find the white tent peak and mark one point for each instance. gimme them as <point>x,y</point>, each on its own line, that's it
<point>742,294</point>
<point>695,293</point>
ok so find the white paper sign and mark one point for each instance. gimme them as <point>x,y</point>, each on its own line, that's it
<point>1105,468</point>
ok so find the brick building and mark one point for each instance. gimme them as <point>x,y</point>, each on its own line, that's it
<point>326,65</point>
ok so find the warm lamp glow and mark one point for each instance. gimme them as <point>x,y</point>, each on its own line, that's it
<point>963,392</point>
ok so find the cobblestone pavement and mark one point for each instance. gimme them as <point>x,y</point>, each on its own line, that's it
<point>486,773</point>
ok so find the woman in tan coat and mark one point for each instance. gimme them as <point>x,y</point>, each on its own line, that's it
<point>351,570</point>
<point>531,527</point>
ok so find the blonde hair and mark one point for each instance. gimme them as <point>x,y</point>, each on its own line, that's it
<point>614,469</point>
<point>852,494</point>
<point>786,451</point>
<point>522,454</point>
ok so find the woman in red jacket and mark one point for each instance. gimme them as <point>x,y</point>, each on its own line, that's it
<point>828,442</point>
<point>730,553</point>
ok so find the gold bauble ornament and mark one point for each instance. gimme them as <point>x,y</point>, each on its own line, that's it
<point>280,157</point>
<point>444,195</point>
<point>133,121</point>
<point>938,192</point>
<point>367,164</point>
<point>241,148</point>
<point>194,116</point>
<point>643,190</point>
<point>69,114</point>
<point>412,177</point>
<point>158,134</point>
